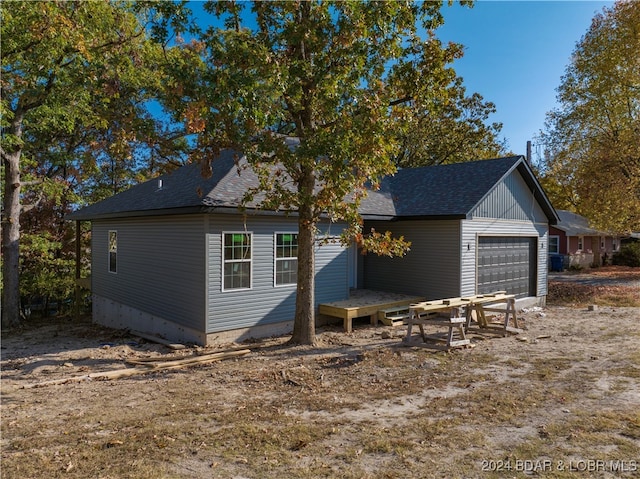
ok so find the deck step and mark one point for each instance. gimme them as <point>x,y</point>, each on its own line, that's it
<point>398,320</point>
<point>395,316</point>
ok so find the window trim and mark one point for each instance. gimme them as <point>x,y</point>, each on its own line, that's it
<point>115,252</point>
<point>557,237</point>
<point>276,259</point>
<point>225,261</point>
<point>580,243</point>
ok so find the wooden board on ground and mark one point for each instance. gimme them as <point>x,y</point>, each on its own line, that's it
<point>159,340</point>
<point>144,367</point>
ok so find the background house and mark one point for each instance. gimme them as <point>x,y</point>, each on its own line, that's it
<point>578,243</point>
<point>174,256</point>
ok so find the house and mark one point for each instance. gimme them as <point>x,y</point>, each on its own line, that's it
<point>175,256</point>
<point>475,227</point>
<point>580,245</point>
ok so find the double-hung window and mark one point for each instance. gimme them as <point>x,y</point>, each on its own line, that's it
<point>236,258</point>
<point>554,244</point>
<point>113,251</point>
<point>286,259</point>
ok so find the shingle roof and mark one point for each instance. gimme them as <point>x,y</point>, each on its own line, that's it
<point>445,190</point>
<point>426,192</point>
<point>575,225</point>
<point>184,188</point>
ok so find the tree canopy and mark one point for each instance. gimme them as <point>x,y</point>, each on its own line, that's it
<point>76,81</point>
<point>450,127</point>
<point>359,87</point>
<point>354,83</point>
<point>592,159</point>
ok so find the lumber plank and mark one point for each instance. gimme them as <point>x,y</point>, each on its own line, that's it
<point>144,368</point>
<point>159,340</point>
<point>438,346</point>
<point>196,359</point>
<point>459,342</point>
<point>396,318</point>
<point>55,382</point>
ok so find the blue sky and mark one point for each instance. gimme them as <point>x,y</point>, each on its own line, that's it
<point>515,55</point>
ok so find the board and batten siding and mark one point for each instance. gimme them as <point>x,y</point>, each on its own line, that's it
<point>160,267</point>
<point>510,199</point>
<point>265,303</point>
<point>430,269</point>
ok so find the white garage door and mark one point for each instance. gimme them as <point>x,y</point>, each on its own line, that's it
<point>507,263</point>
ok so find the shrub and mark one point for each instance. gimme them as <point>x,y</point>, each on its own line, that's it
<point>46,274</point>
<point>629,255</point>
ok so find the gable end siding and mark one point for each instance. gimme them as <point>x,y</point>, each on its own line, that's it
<point>510,199</point>
<point>160,268</point>
<point>265,303</point>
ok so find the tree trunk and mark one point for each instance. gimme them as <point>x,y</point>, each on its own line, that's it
<point>304,325</point>
<point>11,240</point>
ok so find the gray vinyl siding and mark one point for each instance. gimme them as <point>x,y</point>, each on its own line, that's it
<point>510,199</point>
<point>508,210</point>
<point>432,267</point>
<point>472,229</point>
<point>265,303</point>
<point>160,268</point>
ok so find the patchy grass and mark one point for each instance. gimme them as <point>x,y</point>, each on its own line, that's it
<point>363,410</point>
<point>581,437</point>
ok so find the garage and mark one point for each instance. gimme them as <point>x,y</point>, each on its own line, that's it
<point>507,263</point>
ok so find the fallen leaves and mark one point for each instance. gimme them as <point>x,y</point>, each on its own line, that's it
<point>574,294</point>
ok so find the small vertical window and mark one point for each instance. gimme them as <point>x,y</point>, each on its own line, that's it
<point>113,251</point>
<point>286,259</point>
<point>580,243</point>
<point>554,244</point>
<point>237,261</point>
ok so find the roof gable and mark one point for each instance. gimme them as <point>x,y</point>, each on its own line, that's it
<point>447,191</point>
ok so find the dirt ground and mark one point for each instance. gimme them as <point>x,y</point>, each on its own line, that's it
<point>561,399</point>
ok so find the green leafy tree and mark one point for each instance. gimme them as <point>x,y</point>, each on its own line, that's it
<point>592,162</point>
<point>340,80</point>
<point>76,82</point>
<point>45,272</point>
<point>450,127</point>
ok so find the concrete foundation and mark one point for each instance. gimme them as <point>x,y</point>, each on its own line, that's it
<point>112,314</point>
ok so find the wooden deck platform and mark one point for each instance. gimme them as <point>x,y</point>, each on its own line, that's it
<point>364,302</point>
